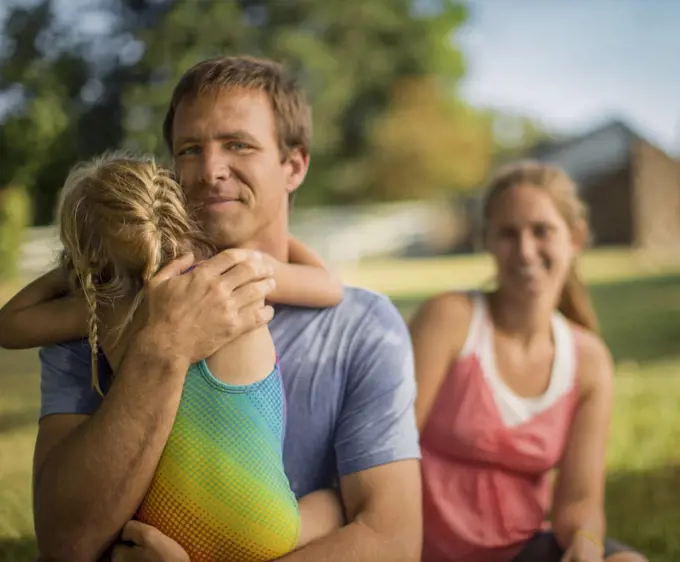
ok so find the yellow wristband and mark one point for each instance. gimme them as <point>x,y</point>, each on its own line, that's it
<point>592,538</point>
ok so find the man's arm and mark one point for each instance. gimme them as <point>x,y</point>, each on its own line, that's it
<point>91,472</point>
<point>377,449</point>
<point>383,506</point>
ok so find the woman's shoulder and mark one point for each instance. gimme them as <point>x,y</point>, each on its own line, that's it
<point>449,313</point>
<point>456,306</point>
<point>595,365</point>
<point>589,344</point>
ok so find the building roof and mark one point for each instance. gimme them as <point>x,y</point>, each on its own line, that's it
<point>602,150</point>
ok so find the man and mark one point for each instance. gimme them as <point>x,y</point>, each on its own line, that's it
<point>239,130</point>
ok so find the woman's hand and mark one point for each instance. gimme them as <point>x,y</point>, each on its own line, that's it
<point>146,544</point>
<point>583,549</point>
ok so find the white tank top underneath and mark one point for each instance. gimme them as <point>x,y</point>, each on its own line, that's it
<point>514,409</point>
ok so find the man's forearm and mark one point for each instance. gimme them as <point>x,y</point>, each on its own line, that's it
<point>357,542</point>
<point>91,484</point>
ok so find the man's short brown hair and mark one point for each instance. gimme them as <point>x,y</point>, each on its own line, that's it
<point>292,114</point>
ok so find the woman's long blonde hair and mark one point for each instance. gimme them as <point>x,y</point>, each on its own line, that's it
<point>122,218</point>
<point>575,302</point>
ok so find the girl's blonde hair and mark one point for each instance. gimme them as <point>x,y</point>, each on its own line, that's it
<point>122,218</point>
<point>575,301</point>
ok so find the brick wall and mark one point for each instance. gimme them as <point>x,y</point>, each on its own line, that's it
<point>656,198</point>
<point>608,197</point>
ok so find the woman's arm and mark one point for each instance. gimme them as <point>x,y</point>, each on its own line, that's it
<point>43,313</point>
<point>305,280</point>
<point>438,332</point>
<point>579,519</point>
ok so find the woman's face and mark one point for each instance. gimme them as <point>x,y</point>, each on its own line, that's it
<point>530,241</point>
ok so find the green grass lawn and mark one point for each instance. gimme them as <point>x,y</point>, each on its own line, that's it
<point>639,307</point>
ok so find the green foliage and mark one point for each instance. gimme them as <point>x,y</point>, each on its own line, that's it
<point>382,77</point>
<point>351,56</point>
<point>46,69</point>
<point>15,215</point>
<point>426,144</point>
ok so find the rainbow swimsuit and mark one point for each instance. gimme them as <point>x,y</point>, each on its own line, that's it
<point>220,490</point>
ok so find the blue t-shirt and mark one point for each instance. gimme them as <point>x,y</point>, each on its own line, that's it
<point>349,382</point>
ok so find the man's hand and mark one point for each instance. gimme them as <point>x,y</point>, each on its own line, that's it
<point>196,313</point>
<point>146,544</point>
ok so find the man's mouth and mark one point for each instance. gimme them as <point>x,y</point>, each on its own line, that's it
<point>219,202</point>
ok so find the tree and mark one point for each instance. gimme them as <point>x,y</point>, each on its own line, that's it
<point>427,144</point>
<point>349,54</point>
<point>80,92</point>
<point>40,118</point>
<point>514,133</point>
<point>67,88</point>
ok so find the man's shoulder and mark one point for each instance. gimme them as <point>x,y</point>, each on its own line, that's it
<point>71,360</point>
<point>66,379</point>
<point>74,350</point>
<point>374,325</point>
<point>360,310</point>
<point>363,324</point>
<point>368,309</point>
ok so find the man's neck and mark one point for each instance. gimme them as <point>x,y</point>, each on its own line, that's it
<point>277,248</point>
<point>272,240</point>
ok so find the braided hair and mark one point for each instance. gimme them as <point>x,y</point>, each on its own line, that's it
<point>122,218</point>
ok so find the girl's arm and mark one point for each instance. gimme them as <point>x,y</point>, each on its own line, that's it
<point>305,280</point>
<point>321,513</point>
<point>43,313</point>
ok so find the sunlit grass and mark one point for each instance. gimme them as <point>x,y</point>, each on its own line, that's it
<point>402,278</point>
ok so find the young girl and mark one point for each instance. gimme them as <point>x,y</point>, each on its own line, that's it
<point>513,384</point>
<point>220,489</point>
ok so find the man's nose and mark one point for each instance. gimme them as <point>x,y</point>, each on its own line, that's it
<point>214,166</point>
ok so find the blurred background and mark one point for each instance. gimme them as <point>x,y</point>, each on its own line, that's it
<point>415,103</point>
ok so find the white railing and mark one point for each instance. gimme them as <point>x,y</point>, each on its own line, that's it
<point>340,235</point>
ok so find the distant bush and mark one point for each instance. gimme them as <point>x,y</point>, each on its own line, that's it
<point>15,217</point>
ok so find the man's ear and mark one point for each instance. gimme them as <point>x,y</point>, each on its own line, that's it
<point>296,165</point>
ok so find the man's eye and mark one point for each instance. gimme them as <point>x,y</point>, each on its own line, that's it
<point>189,150</point>
<point>238,146</point>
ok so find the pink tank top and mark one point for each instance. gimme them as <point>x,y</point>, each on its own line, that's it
<point>487,453</point>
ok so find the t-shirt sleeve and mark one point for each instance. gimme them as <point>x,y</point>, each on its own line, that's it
<point>66,380</point>
<point>377,423</point>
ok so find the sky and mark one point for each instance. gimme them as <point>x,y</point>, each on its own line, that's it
<point>570,64</point>
<point>574,64</point>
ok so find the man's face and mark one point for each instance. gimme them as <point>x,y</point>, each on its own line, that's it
<point>228,160</point>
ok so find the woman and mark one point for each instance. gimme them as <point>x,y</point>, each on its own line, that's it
<point>514,383</point>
